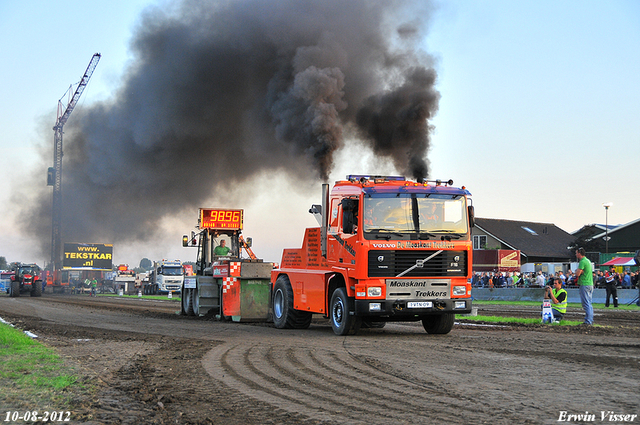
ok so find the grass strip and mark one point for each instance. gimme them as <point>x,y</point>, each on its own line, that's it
<point>528,321</point>
<point>32,374</point>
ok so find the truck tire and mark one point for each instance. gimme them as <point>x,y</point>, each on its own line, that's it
<point>438,324</point>
<point>342,321</point>
<point>15,289</point>
<point>187,301</point>
<point>36,289</point>
<point>284,315</point>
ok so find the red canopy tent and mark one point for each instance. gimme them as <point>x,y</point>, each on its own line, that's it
<point>620,261</point>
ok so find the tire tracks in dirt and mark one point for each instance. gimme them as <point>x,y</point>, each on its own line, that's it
<point>338,383</point>
<point>160,368</point>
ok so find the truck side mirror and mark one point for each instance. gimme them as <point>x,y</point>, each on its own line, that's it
<point>472,216</point>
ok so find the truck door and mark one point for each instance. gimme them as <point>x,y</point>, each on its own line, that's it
<point>342,240</point>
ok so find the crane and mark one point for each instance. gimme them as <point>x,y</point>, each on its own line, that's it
<point>54,177</point>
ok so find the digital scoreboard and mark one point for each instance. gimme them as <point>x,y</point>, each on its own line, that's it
<point>217,218</point>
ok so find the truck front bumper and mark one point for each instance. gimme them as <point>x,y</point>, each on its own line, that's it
<point>404,310</point>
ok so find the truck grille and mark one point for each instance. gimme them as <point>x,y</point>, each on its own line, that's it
<point>387,263</point>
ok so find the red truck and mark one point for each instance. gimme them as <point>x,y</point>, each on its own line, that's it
<point>387,249</point>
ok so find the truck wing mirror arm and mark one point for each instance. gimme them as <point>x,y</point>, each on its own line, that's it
<point>316,210</point>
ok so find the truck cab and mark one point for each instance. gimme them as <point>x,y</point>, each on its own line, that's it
<point>167,276</point>
<point>387,249</point>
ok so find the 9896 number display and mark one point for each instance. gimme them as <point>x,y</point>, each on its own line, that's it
<point>220,219</point>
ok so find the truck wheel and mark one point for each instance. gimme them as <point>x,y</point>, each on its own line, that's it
<point>342,322</point>
<point>284,315</point>
<point>36,289</point>
<point>187,301</point>
<point>438,324</point>
<point>15,289</point>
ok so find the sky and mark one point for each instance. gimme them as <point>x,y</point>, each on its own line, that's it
<point>538,115</point>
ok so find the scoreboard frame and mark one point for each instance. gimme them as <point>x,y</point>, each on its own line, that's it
<point>221,219</point>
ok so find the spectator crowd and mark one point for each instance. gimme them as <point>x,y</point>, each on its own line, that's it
<point>624,280</point>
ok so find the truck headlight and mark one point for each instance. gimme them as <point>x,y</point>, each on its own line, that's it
<point>374,291</point>
<point>459,290</point>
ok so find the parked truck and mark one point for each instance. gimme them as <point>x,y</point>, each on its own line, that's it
<point>224,283</point>
<point>166,276</point>
<point>386,249</point>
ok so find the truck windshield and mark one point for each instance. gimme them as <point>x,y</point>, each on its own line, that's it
<point>172,271</point>
<point>415,213</point>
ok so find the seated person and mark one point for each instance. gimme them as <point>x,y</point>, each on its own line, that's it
<point>369,219</point>
<point>222,249</point>
<point>429,218</point>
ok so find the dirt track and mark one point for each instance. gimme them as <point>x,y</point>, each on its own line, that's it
<point>154,366</point>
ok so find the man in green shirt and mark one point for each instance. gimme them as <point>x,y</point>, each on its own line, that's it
<point>222,249</point>
<point>585,283</point>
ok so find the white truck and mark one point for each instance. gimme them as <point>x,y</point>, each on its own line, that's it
<point>166,276</point>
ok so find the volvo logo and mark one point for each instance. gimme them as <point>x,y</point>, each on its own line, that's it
<point>380,258</point>
<point>420,263</point>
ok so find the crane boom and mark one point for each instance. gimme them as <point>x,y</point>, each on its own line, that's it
<point>62,118</point>
<point>55,173</point>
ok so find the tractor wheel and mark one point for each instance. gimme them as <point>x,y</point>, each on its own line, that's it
<point>36,289</point>
<point>342,322</point>
<point>187,301</point>
<point>438,324</point>
<point>15,289</point>
<point>195,301</point>
<point>284,315</point>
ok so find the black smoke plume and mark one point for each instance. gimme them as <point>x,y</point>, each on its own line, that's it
<point>220,92</point>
